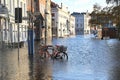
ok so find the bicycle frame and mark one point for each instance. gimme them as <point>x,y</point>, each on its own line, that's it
<point>44,52</point>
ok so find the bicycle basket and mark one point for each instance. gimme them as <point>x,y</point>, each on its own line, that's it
<point>62,48</point>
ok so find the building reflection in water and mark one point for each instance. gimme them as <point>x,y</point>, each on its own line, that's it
<point>11,68</point>
<point>40,69</point>
<point>43,70</point>
<point>114,72</point>
<point>31,64</point>
<point>27,68</point>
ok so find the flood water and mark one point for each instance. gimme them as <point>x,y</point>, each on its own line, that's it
<point>89,59</point>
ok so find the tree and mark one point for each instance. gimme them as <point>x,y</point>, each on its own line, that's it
<point>100,16</point>
<point>115,11</point>
<point>116,15</point>
<point>94,17</point>
<point>96,8</point>
<point>117,2</point>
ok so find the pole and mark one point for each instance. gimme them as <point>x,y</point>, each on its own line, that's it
<point>46,23</point>
<point>30,32</point>
<point>18,28</point>
<point>32,28</point>
<point>45,27</point>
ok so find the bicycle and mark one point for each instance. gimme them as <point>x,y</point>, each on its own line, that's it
<point>59,52</point>
<point>43,51</point>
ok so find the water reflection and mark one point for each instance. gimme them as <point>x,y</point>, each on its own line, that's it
<point>114,74</point>
<point>42,68</point>
<point>31,67</point>
<point>8,66</point>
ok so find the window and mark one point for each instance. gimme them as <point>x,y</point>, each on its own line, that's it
<point>53,22</point>
<point>81,25</point>
<point>21,4</point>
<point>24,9</point>
<point>13,5</point>
<point>77,25</point>
<point>77,20</point>
<point>3,2</point>
<point>10,5</point>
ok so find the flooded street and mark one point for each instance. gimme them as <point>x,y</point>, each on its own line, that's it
<point>89,59</point>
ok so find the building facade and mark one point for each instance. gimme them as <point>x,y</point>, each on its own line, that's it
<point>8,27</point>
<point>48,17</point>
<point>61,20</point>
<point>3,22</point>
<point>81,23</point>
<point>43,19</point>
<point>72,25</point>
<point>87,29</point>
<point>39,13</point>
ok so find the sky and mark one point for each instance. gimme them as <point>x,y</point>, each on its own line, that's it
<point>80,5</point>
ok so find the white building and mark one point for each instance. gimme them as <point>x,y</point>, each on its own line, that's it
<point>8,27</point>
<point>72,25</point>
<point>81,23</point>
<point>61,21</point>
<point>86,23</point>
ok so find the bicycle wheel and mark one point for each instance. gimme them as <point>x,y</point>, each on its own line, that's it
<point>65,56</point>
<point>62,55</point>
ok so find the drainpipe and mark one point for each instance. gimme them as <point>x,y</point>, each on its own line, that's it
<point>46,13</point>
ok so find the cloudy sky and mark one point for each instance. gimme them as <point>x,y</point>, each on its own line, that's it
<point>80,5</point>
